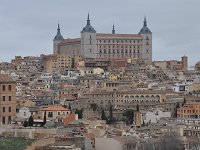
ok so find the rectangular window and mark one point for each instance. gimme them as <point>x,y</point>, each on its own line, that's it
<point>50,114</point>
<point>3,120</point>
<point>4,98</point>
<point>9,109</point>
<point>4,109</point>
<point>4,87</point>
<point>9,98</point>
<point>9,119</point>
<point>9,87</point>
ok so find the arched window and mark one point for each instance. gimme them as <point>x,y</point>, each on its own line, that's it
<point>126,96</point>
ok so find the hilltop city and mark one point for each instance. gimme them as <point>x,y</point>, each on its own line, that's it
<point>101,91</point>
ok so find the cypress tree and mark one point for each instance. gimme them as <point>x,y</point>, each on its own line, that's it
<point>30,121</point>
<point>103,116</point>
<point>45,118</point>
<point>137,107</point>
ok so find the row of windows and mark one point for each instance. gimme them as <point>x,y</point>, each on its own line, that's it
<point>50,114</point>
<point>142,96</point>
<point>117,46</point>
<point>4,98</point>
<point>124,101</point>
<point>190,111</point>
<point>9,87</point>
<point>127,96</point>
<point>4,109</point>
<point>138,100</point>
<point>119,51</point>
<point>118,56</point>
<point>4,119</point>
<point>119,41</point>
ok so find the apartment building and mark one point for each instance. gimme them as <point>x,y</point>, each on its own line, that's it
<point>7,99</point>
<point>189,110</point>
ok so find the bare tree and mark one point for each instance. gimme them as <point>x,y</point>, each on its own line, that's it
<point>168,141</point>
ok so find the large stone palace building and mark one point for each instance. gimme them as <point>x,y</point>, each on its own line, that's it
<point>106,45</point>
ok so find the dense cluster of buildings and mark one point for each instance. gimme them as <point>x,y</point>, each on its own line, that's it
<point>102,73</point>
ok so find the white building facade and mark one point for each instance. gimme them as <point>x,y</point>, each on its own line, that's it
<point>154,115</point>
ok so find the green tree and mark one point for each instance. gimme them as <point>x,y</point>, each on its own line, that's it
<point>45,118</point>
<point>177,106</point>
<point>110,118</point>
<point>69,107</point>
<point>137,108</point>
<point>80,113</point>
<point>143,124</point>
<point>25,124</point>
<point>30,121</point>
<point>129,114</point>
<point>103,116</point>
<point>184,101</point>
<point>93,106</point>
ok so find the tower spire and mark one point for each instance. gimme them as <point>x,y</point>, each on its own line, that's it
<point>145,29</point>
<point>88,27</point>
<point>58,29</point>
<point>113,30</point>
<point>58,25</point>
<point>88,19</point>
<point>145,21</point>
<point>58,35</point>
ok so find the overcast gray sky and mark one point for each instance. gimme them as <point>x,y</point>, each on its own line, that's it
<point>27,27</point>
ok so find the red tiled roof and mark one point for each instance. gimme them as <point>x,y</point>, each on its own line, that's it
<point>72,40</point>
<point>55,108</point>
<point>5,78</point>
<point>119,36</point>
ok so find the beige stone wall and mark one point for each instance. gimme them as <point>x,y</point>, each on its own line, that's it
<point>8,102</point>
<point>197,66</point>
<point>194,87</point>
<point>70,49</point>
<point>60,62</point>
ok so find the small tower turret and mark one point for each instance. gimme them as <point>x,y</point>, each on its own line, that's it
<point>113,30</point>
<point>88,41</point>
<point>146,42</point>
<point>57,39</point>
<point>184,63</point>
<point>58,36</point>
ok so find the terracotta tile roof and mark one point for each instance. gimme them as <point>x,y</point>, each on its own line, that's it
<point>89,135</point>
<point>55,108</point>
<point>119,36</point>
<point>68,97</point>
<point>72,40</point>
<point>5,78</point>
